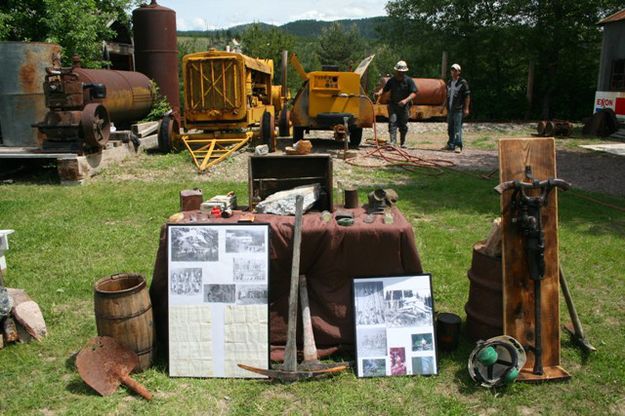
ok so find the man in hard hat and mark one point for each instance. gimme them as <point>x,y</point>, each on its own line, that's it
<point>402,90</point>
<point>458,101</point>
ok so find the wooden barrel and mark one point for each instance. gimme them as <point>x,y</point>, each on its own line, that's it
<point>485,305</point>
<point>123,311</point>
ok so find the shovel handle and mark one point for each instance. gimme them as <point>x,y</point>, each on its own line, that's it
<point>136,387</point>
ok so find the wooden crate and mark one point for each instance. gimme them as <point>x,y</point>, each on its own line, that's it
<point>269,174</point>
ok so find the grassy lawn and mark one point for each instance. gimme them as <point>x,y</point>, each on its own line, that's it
<point>68,237</point>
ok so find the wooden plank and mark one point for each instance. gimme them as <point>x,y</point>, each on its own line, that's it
<point>518,288</point>
<point>145,129</point>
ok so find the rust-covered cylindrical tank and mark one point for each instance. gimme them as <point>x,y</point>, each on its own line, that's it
<point>431,91</point>
<point>484,307</point>
<point>22,101</point>
<point>128,94</point>
<point>156,52</point>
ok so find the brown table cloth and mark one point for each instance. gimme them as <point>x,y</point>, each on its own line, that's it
<point>331,256</point>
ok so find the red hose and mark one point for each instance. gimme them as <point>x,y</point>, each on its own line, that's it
<point>390,155</point>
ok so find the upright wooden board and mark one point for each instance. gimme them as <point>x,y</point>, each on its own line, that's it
<point>518,288</point>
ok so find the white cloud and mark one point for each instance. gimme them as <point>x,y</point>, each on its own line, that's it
<point>198,23</point>
<point>314,15</point>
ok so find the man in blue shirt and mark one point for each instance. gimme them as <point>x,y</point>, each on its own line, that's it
<point>402,90</point>
<point>458,101</point>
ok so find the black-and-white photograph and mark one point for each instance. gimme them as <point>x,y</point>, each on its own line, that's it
<point>371,342</point>
<point>249,270</point>
<point>245,241</point>
<point>369,303</point>
<point>423,365</point>
<point>407,308</point>
<point>251,294</point>
<point>219,293</point>
<point>375,367</point>
<point>194,243</point>
<point>407,327</point>
<point>422,342</point>
<point>186,281</point>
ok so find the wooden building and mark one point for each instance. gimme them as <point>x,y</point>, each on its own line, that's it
<point>611,83</point>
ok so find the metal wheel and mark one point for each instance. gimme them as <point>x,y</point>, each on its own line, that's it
<point>95,125</point>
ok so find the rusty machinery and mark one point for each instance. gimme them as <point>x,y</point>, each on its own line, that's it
<point>228,98</point>
<point>83,103</point>
<point>328,96</point>
<point>430,102</point>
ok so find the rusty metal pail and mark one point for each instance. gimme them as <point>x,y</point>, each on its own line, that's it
<point>484,307</point>
<point>351,198</point>
<point>448,330</point>
<point>123,311</point>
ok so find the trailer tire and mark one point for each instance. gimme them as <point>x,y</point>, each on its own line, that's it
<point>298,134</point>
<point>283,123</point>
<point>268,131</point>
<point>166,132</point>
<point>355,136</point>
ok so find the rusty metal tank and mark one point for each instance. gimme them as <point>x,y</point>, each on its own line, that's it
<point>484,307</point>
<point>129,96</point>
<point>156,51</point>
<point>431,91</point>
<point>22,101</point>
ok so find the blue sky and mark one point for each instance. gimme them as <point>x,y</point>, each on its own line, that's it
<point>222,14</point>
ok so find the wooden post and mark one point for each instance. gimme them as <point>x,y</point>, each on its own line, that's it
<point>444,64</point>
<point>290,353</point>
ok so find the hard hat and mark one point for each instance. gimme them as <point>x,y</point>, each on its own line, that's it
<point>401,66</point>
<point>456,67</point>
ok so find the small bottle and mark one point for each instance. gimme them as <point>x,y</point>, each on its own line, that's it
<point>388,218</point>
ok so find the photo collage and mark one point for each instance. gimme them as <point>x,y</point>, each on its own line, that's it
<point>219,273</point>
<point>394,326</point>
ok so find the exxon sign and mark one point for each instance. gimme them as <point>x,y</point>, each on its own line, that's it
<point>612,100</point>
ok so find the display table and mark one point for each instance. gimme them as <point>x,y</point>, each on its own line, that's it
<point>331,256</point>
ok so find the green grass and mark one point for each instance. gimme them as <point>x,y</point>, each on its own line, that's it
<point>68,237</point>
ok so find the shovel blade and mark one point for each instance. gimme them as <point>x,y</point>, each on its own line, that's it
<point>103,362</point>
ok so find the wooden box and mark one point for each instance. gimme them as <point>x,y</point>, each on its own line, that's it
<point>269,174</point>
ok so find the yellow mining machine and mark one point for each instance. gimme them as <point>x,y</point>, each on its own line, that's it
<point>228,98</point>
<point>332,100</point>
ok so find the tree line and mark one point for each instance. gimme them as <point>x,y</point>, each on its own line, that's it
<point>552,46</point>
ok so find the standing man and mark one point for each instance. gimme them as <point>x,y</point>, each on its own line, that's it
<point>403,89</point>
<point>459,97</point>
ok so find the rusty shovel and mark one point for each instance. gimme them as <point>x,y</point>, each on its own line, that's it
<point>104,364</point>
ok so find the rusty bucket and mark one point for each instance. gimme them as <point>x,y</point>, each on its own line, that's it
<point>123,311</point>
<point>485,305</point>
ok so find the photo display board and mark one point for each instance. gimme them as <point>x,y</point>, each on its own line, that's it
<point>218,281</point>
<point>394,326</point>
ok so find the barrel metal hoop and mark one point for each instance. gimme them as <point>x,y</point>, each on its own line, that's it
<point>119,318</point>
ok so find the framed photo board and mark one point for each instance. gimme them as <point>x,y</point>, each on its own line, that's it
<point>218,280</point>
<point>394,323</point>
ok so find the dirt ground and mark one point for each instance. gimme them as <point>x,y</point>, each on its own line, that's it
<point>587,170</point>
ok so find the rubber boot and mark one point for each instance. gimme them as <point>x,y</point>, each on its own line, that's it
<point>402,138</point>
<point>393,138</point>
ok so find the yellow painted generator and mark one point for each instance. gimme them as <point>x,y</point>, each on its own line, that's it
<point>228,98</point>
<point>332,100</point>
